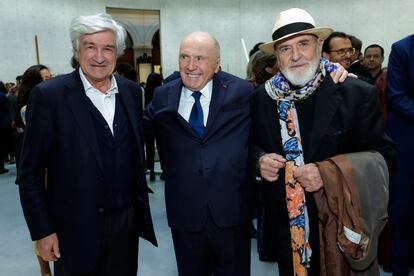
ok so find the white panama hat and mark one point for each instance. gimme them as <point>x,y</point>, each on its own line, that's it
<point>293,22</point>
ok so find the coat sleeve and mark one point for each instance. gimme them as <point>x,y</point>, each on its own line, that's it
<point>400,94</point>
<point>37,143</point>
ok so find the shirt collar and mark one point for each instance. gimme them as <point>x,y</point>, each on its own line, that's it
<point>89,88</point>
<point>206,91</point>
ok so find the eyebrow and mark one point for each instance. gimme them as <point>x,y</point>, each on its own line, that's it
<point>93,43</point>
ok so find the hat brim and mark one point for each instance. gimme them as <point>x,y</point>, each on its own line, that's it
<point>321,33</point>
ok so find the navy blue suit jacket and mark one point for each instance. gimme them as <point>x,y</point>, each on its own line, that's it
<point>60,136</point>
<point>209,174</point>
<point>400,90</point>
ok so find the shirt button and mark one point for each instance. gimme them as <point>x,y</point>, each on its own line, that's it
<point>101,210</point>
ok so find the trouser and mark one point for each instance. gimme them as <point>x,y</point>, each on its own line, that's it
<point>119,248</point>
<point>215,250</point>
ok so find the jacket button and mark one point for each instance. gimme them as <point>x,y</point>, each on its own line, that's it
<point>101,210</point>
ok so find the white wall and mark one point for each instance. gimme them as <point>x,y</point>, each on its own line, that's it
<point>373,21</point>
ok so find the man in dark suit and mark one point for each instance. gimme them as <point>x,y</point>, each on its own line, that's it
<point>356,66</point>
<point>299,117</point>
<point>85,128</point>
<point>202,119</point>
<point>400,127</point>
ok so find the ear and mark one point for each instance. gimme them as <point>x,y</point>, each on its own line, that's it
<point>217,65</point>
<point>269,70</point>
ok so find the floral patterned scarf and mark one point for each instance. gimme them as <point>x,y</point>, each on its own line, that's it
<point>278,88</point>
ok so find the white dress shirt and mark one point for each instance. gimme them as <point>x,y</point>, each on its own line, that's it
<point>105,103</point>
<point>187,101</point>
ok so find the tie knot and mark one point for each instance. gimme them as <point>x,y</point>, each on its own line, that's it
<point>196,95</point>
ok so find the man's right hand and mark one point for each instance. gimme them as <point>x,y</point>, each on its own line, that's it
<point>269,166</point>
<point>49,248</point>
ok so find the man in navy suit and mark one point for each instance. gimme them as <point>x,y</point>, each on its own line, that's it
<point>202,119</point>
<point>400,127</point>
<point>85,128</point>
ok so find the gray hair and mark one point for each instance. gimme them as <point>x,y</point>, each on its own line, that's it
<point>89,24</point>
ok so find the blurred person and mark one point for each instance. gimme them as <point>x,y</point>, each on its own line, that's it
<point>373,58</point>
<point>127,71</point>
<point>11,111</point>
<point>356,66</point>
<point>338,48</point>
<point>154,80</point>
<point>255,49</point>
<point>263,67</point>
<point>85,127</point>
<point>300,118</point>
<point>400,127</point>
<point>31,77</point>
<point>4,124</point>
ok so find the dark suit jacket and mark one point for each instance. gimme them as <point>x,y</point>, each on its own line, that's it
<point>208,174</point>
<point>358,69</point>
<point>59,136</point>
<point>400,90</point>
<point>347,118</point>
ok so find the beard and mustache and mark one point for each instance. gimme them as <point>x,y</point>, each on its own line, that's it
<point>300,78</point>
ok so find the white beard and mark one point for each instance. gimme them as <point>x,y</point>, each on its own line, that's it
<point>300,79</point>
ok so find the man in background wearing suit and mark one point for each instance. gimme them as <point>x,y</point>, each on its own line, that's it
<point>400,127</point>
<point>202,119</point>
<point>86,129</point>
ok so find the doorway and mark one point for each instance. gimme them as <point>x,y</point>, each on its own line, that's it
<point>143,39</point>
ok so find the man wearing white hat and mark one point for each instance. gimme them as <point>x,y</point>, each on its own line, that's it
<point>299,117</point>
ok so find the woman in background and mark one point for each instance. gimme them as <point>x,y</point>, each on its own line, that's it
<point>153,81</point>
<point>32,76</point>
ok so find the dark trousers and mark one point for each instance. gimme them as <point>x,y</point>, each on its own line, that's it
<point>150,151</point>
<point>267,234</point>
<point>119,248</point>
<point>215,250</point>
<point>3,146</point>
<point>402,215</point>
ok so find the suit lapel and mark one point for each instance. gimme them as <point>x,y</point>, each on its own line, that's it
<point>326,105</point>
<point>78,103</point>
<point>128,102</point>
<point>217,98</point>
<point>174,96</point>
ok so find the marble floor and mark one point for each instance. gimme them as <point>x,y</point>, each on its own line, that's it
<point>17,257</point>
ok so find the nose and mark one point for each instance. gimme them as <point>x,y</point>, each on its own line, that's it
<point>348,54</point>
<point>295,54</point>
<point>191,64</point>
<point>99,56</point>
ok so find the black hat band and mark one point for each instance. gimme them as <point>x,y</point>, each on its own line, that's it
<point>291,28</point>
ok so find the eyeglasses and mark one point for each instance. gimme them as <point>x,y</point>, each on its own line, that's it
<point>303,45</point>
<point>343,52</point>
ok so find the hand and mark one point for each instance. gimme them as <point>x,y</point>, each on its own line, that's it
<point>352,75</point>
<point>309,177</point>
<point>269,166</point>
<point>340,74</point>
<point>49,248</point>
